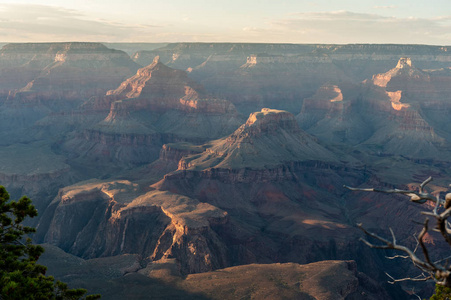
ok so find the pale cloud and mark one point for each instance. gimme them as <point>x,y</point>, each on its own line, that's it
<point>349,27</point>
<point>48,23</point>
<point>32,23</point>
<point>385,6</point>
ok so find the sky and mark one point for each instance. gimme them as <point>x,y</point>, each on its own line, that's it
<point>255,21</point>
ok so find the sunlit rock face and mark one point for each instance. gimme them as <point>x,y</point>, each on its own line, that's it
<point>98,219</point>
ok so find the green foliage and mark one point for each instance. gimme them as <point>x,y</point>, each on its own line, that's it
<point>441,293</point>
<point>20,276</point>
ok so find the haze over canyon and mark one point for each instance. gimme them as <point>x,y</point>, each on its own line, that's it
<point>215,170</point>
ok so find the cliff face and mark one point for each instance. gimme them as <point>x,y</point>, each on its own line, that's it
<point>34,170</point>
<point>333,115</point>
<point>110,218</point>
<point>407,129</point>
<point>322,280</point>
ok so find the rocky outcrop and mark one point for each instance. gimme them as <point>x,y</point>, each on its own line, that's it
<point>157,81</point>
<point>117,278</point>
<point>110,218</point>
<point>176,151</point>
<point>115,147</point>
<point>404,127</point>
<point>388,114</point>
<point>44,81</point>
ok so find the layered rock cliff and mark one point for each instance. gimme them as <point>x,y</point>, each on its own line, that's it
<point>97,219</point>
<point>52,79</point>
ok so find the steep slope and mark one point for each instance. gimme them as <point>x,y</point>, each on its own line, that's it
<point>389,114</point>
<point>33,169</point>
<point>279,81</point>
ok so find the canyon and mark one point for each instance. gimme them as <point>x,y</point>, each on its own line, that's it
<point>189,163</point>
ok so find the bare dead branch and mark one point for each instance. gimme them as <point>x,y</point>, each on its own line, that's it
<point>397,256</point>
<point>393,245</point>
<point>446,258</point>
<point>423,246</point>
<point>432,270</point>
<point>396,191</point>
<point>421,277</point>
<point>422,185</point>
<point>442,223</point>
<point>415,196</point>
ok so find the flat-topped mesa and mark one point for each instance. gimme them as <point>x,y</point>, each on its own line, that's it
<point>45,53</point>
<point>269,121</point>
